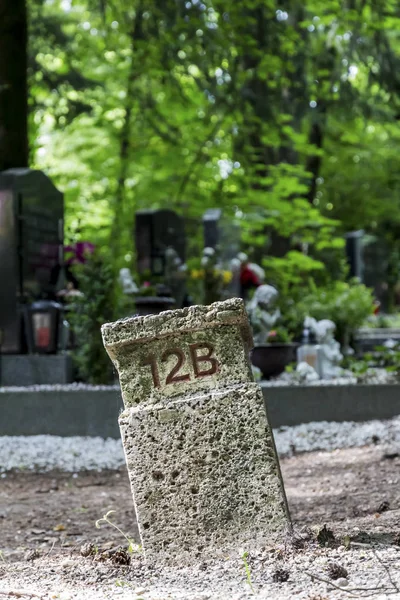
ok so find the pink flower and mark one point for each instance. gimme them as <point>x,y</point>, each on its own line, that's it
<point>146,284</point>
<point>79,251</point>
<point>272,334</point>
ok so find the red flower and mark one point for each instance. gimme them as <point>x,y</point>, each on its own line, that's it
<point>248,277</point>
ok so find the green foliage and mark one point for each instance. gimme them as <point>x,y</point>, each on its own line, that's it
<point>88,312</point>
<point>381,358</point>
<point>245,557</point>
<point>383,321</point>
<point>286,118</point>
<point>179,90</point>
<point>291,273</point>
<point>346,304</point>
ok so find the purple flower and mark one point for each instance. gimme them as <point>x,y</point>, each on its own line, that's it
<point>80,252</point>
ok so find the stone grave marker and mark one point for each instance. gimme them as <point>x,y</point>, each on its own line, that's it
<point>200,454</point>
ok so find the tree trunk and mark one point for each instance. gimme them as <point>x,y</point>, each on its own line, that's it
<point>13,84</point>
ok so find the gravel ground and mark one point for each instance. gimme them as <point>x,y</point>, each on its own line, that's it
<point>339,474</point>
<point>372,573</point>
<point>42,453</point>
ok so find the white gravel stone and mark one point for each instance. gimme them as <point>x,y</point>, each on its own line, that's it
<point>42,453</point>
<point>71,454</point>
<point>330,436</point>
<point>59,387</point>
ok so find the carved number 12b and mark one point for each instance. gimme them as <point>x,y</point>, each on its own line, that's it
<point>197,360</point>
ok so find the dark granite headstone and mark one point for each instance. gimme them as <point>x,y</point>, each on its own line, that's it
<point>354,253</point>
<point>31,243</point>
<point>155,232</point>
<point>212,228</point>
<point>221,233</point>
<point>376,254</point>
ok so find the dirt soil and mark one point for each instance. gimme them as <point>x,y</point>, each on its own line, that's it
<point>55,513</point>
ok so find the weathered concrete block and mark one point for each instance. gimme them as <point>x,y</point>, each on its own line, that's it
<point>199,450</point>
<point>204,474</point>
<point>159,357</point>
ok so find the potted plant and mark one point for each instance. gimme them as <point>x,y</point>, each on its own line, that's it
<point>208,280</point>
<point>151,300</point>
<point>347,304</point>
<point>275,354</point>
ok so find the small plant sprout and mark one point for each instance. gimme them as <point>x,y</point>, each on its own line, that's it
<point>121,583</point>
<point>245,556</point>
<point>132,546</point>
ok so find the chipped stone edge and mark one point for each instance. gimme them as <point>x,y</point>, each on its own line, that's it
<point>149,407</point>
<point>194,318</point>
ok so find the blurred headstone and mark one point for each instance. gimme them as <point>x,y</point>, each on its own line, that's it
<point>354,253</point>
<point>212,227</point>
<point>31,247</point>
<point>155,232</point>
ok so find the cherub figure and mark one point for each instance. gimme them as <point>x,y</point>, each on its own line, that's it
<point>127,283</point>
<point>263,313</point>
<point>330,354</point>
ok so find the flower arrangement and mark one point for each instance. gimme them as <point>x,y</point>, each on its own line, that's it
<point>279,336</point>
<point>213,277</point>
<point>224,275</point>
<point>78,253</point>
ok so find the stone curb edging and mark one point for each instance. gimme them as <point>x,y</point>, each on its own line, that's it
<point>94,412</point>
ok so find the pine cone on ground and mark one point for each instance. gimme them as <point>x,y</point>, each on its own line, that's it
<point>280,576</point>
<point>121,557</point>
<point>336,571</point>
<point>32,554</point>
<point>326,537</point>
<point>383,507</point>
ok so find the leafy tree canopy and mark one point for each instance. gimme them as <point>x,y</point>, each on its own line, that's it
<point>284,115</point>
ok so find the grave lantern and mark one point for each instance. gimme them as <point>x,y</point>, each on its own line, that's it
<point>42,321</point>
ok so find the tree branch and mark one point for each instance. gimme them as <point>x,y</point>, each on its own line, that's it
<point>196,159</point>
